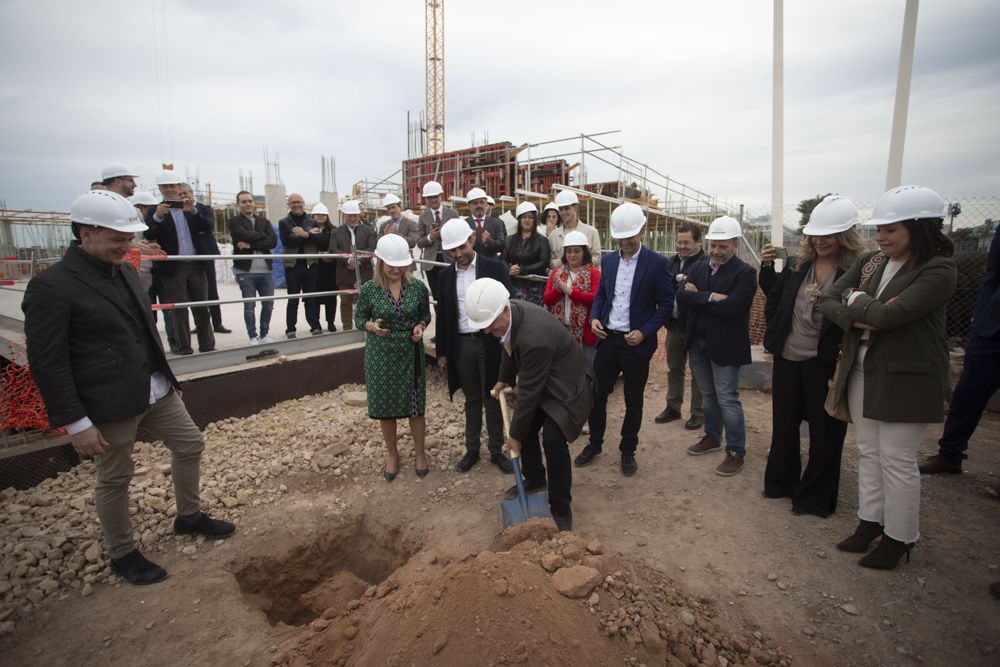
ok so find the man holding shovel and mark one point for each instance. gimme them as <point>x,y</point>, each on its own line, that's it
<point>556,387</point>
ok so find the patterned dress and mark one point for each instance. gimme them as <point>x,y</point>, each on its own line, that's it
<point>394,365</point>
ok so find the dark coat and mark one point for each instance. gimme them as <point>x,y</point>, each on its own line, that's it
<point>446,327</point>
<point>551,371</point>
<point>725,323</point>
<point>86,350</point>
<point>532,256</point>
<point>259,234</point>
<point>340,242</point>
<point>906,366</point>
<point>297,245</point>
<point>201,225</point>
<point>781,291</point>
<point>652,298</point>
<point>680,322</point>
<point>498,235</point>
<point>986,317</point>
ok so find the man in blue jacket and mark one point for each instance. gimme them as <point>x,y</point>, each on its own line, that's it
<point>633,301</point>
<point>718,294</point>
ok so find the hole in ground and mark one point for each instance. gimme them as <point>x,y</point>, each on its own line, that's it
<point>327,570</point>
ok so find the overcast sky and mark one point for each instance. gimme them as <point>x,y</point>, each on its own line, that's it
<point>687,83</point>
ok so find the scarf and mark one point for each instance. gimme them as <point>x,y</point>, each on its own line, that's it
<point>577,310</point>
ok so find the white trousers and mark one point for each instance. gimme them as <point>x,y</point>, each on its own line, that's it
<point>888,477</point>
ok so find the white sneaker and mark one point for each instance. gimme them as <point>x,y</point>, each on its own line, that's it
<point>255,341</point>
<point>266,340</point>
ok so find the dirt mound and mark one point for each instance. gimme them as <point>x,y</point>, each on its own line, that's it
<point>546,599</point>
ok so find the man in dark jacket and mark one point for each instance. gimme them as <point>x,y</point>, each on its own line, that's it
<point>299,236</point>
<point>183,231</point>
<point>97,359</point>
<point>633,301</point>
<point>471,358</point>
<point>253,234</point>
<point>689,252</point>
<point>490,233</point>
<point>555,385</point>
<point>212,246</point>
<point>353,234</point>
<point>718,295</point>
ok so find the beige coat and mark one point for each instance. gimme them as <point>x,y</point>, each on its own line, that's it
<point>906,367</point>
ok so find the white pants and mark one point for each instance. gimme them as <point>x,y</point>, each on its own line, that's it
<point>888,477</point>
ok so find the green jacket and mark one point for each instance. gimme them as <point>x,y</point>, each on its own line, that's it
<point>906,367</point>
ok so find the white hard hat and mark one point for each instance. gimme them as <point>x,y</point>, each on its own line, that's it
<point>103,208</point>
<point>474,194</point>
<point>627,220</point>
<point>907,202</point>
<point>490,201</point>
<point>723,228</point>
<point>525,207</point>
<point>551,206</point>
<point>484,301</point>
<point>116,170</point>
<point>565,198</point>
<point>393,250</point>
<point>432,189</point>
<point>144,198</point>
<point>320,209</point>
<point>576,238</point>
<point>833,215</point>
<point>351,207</point>
<point>391,199</point>
<point>168,177</point>
<point>454,233</point>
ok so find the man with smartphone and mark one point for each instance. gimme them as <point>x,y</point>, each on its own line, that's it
<point>429,234</point>
<point>181,229</point>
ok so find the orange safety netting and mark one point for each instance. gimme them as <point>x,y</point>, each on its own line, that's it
<point>21,406</point>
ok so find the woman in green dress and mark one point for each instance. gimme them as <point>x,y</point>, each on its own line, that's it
<point>394,308</point>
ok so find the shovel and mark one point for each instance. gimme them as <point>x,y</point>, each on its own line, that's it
<point>524,507</point>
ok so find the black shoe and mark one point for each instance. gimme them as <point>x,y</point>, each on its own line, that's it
<point>668,415</point>
<point>694,423</point>
<point>863,536</point>
<point>185,353</point>
<point>207,349</point>
<point>135,569</point>
<point>502,462</point>
<point>585,457</point>
<point>887,554</point>
<point>529,488</point>
<point>221,329</point>
<point>421,472</point>
<point>202,524</point>
<point>389,476</point>
<point>801,511</point>
<point>315,332</point>
<point>289,335</point>
<point>564,523</point>
<point>332,328</point>
<point>174,347</point>
<point>470,459</point>
<point>629,466</point>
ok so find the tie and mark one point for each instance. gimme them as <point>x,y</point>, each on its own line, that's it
<point>437,218</point>
<point>479,229</point>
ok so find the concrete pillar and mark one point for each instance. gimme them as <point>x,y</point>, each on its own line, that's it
<point>275,203</point>
<point>332,202</point>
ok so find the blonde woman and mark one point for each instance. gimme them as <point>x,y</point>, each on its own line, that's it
<point>394,309</point>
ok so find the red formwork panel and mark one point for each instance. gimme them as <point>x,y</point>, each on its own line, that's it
<point>490,167</point>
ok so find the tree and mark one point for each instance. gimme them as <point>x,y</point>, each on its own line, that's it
<point>806,207</point>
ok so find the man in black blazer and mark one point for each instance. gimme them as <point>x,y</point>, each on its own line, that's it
<point>980,378</point>
<point>556,388</point>
<point>183,231</point>
<point>352,234</point>
<point>490,233</point>
<point>253,234</point>
<point>471,357</point>
<point>98,361</point>
<point>718,295</point>
<point>633,301</point>
<point>211,283</point>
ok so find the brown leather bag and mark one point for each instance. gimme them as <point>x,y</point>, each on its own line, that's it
<point>836,406</point>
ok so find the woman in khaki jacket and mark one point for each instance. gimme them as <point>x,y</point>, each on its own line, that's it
<point>894,374</point>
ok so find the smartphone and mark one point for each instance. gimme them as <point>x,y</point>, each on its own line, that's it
<point>174,203</point>
<point>781,253</point>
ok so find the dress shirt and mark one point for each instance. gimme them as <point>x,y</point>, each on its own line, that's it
<point>618,319</point>
<point>462,281</point>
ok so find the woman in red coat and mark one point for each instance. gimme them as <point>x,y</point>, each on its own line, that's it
<point>571,289</point>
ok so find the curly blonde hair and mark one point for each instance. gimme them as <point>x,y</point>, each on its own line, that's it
<point>851,245</point>
<point>382,281</point>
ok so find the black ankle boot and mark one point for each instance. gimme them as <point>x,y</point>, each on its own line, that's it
<point>887,554</point>
<point>862,537</point>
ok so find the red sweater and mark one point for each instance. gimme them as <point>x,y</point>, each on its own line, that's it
<point>553,296</point>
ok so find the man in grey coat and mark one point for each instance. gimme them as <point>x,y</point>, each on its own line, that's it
<point>556,387</point>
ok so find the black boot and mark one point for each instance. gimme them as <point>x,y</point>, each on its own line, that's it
<point>862,537</point>
<point>135,569</point>
<point>887,554</point>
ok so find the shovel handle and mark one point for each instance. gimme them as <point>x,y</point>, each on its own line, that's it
<point>505,412</point>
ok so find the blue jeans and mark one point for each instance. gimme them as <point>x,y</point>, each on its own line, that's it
<point>251,285</point>
<point>720,391</point>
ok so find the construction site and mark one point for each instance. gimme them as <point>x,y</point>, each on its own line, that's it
<point>332,565</point>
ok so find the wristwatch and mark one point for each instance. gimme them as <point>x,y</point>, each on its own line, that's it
<point>845,295</point>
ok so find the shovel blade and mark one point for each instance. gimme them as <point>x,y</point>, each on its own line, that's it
<point>513,512</point>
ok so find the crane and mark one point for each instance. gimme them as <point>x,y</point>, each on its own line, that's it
<point>434,75</point>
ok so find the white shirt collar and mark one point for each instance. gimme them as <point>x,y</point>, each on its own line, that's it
<point>505,339</point>
<point>472,264</point>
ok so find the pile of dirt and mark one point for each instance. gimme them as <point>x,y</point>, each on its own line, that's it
<point>541,598</point>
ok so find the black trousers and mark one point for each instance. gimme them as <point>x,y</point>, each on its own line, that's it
<point>556,460</point>
<point>470,362</point>
<point>302,279</point>
<point>186,282</point>
<point>616,357</point>
<point>432,278</point>
<point>798,395</point>
<point>212,291</point>
<point>980,379</point>
<point>327,282</point>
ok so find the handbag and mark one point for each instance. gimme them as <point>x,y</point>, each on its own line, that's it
<point>836,406</point>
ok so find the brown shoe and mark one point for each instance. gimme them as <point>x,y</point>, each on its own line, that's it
<point>731,465</point>
<point>936,464</point>
<point>703,446</point>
